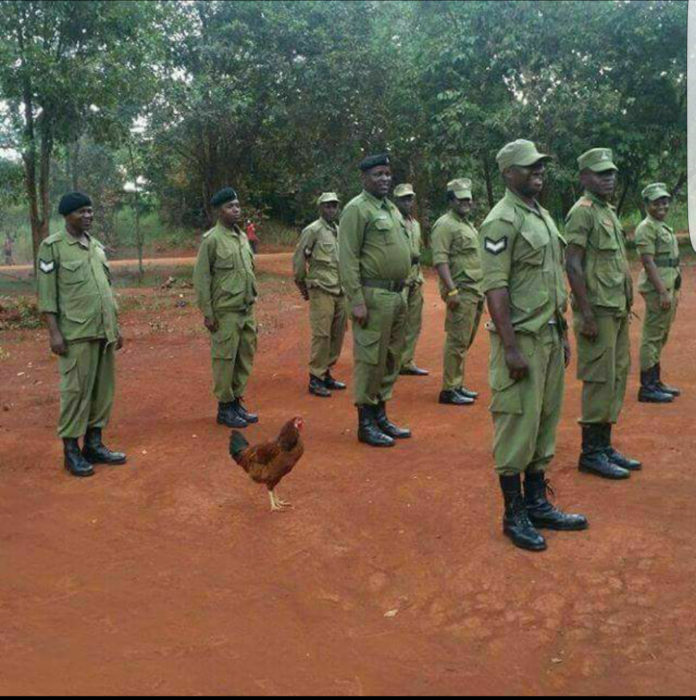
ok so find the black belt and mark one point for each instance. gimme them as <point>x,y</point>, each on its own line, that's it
<point>389,285</point>
<point>667,262</point>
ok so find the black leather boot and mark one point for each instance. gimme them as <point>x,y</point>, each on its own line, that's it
<point>318,387</point>
<point>649,392</point>
<point>243,413</point>
<point>453,397</point>
<point>74,462</point>
<point>386,426</point>
<point>331,383</point>
<point>228,416</point>
<point>368,431</point>
<point>541,512</point>
<point>467,392</point>
<point>96,452</point>
<point>413,371</point>
<point>516,523</point>
<point>665,388</point>
<point>615,456</point>
<point>593,458</point>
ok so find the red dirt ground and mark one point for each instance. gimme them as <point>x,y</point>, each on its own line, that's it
<point>170,576</point>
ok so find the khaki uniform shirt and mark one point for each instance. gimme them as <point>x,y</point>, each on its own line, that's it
<point>224,272</point>
<point>373,244</point>
<point>413,229</point>
<point>74,283</point>
<point>455,241</point>
<point>522,250</point>
<point>318,250</point>
<point>655,238</point>
<point>593,225</point>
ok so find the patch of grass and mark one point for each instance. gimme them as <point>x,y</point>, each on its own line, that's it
<point>19,312</point>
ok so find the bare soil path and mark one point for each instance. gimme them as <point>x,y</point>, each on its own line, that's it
<point>169,575</point>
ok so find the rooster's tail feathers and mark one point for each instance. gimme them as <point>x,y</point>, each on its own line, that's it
<point>238,444</point>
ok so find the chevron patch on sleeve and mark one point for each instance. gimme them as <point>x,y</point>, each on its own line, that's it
<point>47,266</point>
<point>495,247</point>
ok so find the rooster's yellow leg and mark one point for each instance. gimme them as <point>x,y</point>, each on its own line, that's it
<point>275,505</point>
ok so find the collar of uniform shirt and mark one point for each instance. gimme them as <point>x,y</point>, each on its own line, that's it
<point>380,202</point>
<point>597,200</point>
<point>458,217</point>
<point>516,199</point>
<point>71,240</point>
<point>658,223</point>
<point>235,230</point>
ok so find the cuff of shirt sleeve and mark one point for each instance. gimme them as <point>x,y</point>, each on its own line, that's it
<point>356,300</point>
<point>580,241</point>
<point>494,283</point>
<point>48,309</point>
<point>438,259</point>
<point>645,249</point>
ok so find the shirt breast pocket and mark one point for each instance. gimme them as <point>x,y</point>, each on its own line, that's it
<point>531,247</point>
<point>384,231</point>
<point>606,239</point>
<point>72,271</point>
<point>225,262</point>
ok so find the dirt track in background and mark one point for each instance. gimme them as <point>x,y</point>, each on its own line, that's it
<point>170,576</point>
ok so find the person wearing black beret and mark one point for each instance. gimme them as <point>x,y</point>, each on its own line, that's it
<point>226,291</point>
<point>75,297</point>
<point>374,262</point>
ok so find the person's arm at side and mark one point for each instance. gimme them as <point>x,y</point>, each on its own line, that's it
<point>350,240</point>
<point>202,282</point>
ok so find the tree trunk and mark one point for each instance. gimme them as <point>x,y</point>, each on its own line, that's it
<point>489,183</point>
<point>622,198</point>
<point>679,184</point>
<point>139,240</point>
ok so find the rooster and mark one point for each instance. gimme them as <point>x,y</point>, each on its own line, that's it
<point>268,462</point>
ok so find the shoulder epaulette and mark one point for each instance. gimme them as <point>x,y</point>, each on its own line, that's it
<point>585,202</point>
<point>53,238</point>
<point>207,233</point>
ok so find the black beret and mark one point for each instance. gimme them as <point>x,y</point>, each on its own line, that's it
<point>226,194</point>
<point>373,161</point>
<point>73,201</point>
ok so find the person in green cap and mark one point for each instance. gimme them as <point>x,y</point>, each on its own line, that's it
<point>404,198</point>
<point>315,266</point>
<point>75,297</point>
<point>521,261</point>
<point>456,256</point>
<point>225,285</point>
<point>374,262</point>
<point>659,283</point>
<point>602,294</point>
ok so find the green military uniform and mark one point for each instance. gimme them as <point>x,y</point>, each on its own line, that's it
<point>603,365</point>
<point>413,291</point>
<point>226,291</point>
<point>74,283</point>
<point>374,263</point>
<point>315,263</point>
<point>521,249</point>
<point>455,241</point>
<point>657,239</point>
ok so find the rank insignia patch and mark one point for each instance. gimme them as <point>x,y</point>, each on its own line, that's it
<point>47,266</point>
<point>495,247</point>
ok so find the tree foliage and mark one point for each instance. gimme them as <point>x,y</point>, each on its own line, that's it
<point>282,99</point>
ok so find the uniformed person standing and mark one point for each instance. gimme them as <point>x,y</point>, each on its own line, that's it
<point>374,261</point>
<point>659,283</point>
<point>602,294</point>
<point>75,297</point>
<point>404,198</point>
<point>315,266</point>
<point>456,256</point>
<point>521,256</point>
<point>226,291</point>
